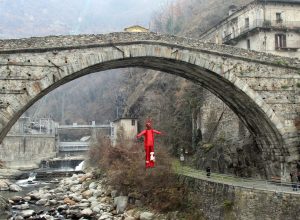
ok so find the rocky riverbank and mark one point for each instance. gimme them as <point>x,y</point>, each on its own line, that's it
<point>80,197</point>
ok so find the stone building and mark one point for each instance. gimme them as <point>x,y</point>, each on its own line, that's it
<point>271,26</point>
<point>136,28</point>
<point>125,129</point>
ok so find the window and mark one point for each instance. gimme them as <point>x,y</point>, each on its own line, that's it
<point>133,122</point>
<point>278,18</point>
<point>246,22</point>
<point>248,44</point>
<point>280,41</point>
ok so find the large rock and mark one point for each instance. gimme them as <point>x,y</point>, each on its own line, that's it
<point>69,201</point>
<point>4,185</point>
<point>105,216</point>
<point>15,188</point>
<point>93,185</point>
<point>75,188</point>
<point>17,198</point>
<point>41,202</point>
<point>21,207</point>
<point>87,194</point>
<point>121,203</point>
<point>87,212</point>
<point>27,213</point>
<point>146,216</point>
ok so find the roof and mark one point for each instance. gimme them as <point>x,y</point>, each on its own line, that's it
<point>245,6</point>
<point>136,26</point>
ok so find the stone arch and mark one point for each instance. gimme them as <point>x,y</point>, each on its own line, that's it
<point>217,71</point>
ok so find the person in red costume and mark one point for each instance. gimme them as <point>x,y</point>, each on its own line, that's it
<point>149,144</point>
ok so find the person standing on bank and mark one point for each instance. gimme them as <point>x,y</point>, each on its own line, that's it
<point>148,134</point>
<point>208,172</point>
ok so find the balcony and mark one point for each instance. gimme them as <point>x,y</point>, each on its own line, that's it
<point>268,24</point>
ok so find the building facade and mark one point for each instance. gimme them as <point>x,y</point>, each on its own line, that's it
<point>271,26</point>
<point>125,129</point>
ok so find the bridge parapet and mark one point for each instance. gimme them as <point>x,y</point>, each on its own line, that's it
<point>262,89</point>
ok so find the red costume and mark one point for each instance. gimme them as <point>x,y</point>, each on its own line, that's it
<point>149,144</point>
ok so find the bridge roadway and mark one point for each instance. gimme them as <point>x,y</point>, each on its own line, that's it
<point>250,183</point>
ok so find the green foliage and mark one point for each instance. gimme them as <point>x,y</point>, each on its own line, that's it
<point>281,62</point>
<point>228,205</point>
<point>284,86</point>
<point>298,84</point>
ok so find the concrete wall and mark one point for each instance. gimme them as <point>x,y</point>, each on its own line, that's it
<point>218,202</point>
<point>125,128</point>
<point>26,151</point>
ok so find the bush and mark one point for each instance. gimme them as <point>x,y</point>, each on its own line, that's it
<point>124,165</point>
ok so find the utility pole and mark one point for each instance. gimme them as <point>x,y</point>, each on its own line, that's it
<point>63,108</point>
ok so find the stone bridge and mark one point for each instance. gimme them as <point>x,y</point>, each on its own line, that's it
<point>262,89</point>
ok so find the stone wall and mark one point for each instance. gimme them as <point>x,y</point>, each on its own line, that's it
<point>218,201</point>
<point>26,152</point>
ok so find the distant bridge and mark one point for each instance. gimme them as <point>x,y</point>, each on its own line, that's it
<point>73,146</point>
<point>76,126</point>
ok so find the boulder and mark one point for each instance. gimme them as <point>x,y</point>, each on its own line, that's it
<point>17,198</point>
<point>15,188</point>
<point>120,203</point>
<point>75,188</point>
<point>87,212</point>
<point>52,202</point>
<point>92,185</point>
<point>69,201</point>
<point>41,202</point>
<point>83,205</point>
<point>27,213</point>
<point>96,209</point>
<point>146,216</point>
<point>4,185</point>
<point>27,198</point>
<point>113,193</point>
<point>105,216</point>
<point>87,194</point>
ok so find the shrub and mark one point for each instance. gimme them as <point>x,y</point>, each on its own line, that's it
<point>124,165</point>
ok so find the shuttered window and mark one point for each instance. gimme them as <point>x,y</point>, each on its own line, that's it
<point>280,41</point>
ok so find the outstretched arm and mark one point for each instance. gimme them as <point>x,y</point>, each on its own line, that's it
<point>157,132</point>
<point>141,134</point>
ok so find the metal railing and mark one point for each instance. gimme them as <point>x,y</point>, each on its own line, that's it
<point>73,146</point>
<point>273,185</point>
<point>260,23</point>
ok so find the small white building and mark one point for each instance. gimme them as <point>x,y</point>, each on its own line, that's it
<point>125,129</point>
<point>271,26</point>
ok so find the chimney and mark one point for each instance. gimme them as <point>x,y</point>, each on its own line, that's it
<point>232,9</point>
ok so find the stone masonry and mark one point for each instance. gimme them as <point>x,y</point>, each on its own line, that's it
<point>219,201</point>
<point>262,89</point>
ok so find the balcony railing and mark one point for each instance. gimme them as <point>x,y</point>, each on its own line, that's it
<point>262,24</point>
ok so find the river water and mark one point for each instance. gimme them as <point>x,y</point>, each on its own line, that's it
<point>31,183</point>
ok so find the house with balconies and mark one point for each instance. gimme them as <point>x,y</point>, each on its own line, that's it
<point>271,26</point>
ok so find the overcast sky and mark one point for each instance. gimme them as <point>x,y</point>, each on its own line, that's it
<point>24,18</point>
